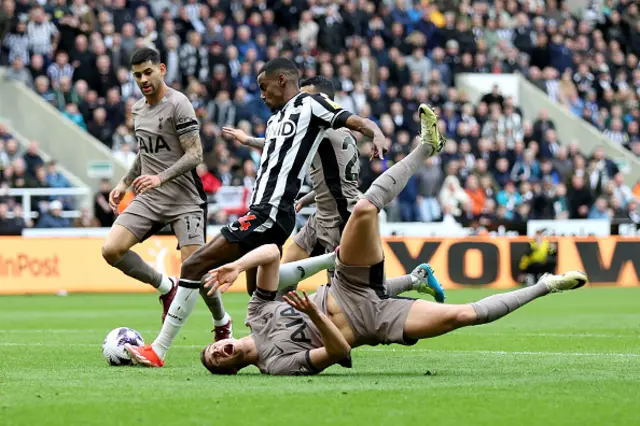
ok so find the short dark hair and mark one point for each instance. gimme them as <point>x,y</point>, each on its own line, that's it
<point>323,84</point>
<point>145,54</point>
<point>280,64</point>
<point>229,371</point>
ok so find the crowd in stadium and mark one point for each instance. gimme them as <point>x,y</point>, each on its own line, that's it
<point>385,58</point>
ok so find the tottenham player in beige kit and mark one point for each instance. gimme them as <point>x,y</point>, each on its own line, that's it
<point>305,335</point>
<point>169,192</point>
<point>334,175</point>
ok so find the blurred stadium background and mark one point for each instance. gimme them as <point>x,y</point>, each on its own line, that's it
<point>538,100</point>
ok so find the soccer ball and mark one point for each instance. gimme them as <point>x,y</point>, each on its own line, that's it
<point>113,345</point>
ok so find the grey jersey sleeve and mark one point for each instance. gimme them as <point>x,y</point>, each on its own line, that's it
<point>185,117</point>
<point>297,364</point>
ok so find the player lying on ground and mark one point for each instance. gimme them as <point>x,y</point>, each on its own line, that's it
<point>169,192</point>
<point>293,134</point>
<point>306,335</point>
<point>420,279</point>
<point>334,177</point>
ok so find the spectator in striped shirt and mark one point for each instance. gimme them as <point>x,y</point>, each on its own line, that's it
<point>616,133</point>
<point>17,43</point>
<point>43,34</point>
<point>59,69</point>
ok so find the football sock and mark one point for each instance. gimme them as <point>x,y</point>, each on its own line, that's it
<point>398,285</point>
<point>133,265</point>
<point>293,272</point>
<point>179,312</point>
<point>166,285</point>
<point>215,305</point>
<point>494,307</point>
<point>388,185</point>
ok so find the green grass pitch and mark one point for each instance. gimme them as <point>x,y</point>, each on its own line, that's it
<point>568,359</point>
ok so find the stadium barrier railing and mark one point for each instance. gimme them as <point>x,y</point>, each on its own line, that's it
<point>68,264</point>
<point>25,197</point>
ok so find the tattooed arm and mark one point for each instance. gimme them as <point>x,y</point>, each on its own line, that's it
<point>192,157</point>
<point>243,138</point>
<point>134,171</point>
<point>117,194</point>
<point>255,142</point>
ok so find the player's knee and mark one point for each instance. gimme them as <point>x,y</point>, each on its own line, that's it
<point>192,268</point>
<point>464,316</point>
<point>112,253</point>
<point>363,209</point>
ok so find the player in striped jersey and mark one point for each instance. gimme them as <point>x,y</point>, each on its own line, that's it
<point>334,176</point>
<point>294,132</point>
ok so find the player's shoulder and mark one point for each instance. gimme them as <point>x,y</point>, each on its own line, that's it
<point>138,106</point>
<point>338,136</point>
<point>175,96</point>
<point>342,132</point>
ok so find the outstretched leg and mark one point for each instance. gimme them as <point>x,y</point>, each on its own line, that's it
<point>360,244</point>
<point>428,319</point>
<point>421,279</point>
<point>214,254</point>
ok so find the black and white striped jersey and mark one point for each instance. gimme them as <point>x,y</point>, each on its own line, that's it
<point>291,141</point>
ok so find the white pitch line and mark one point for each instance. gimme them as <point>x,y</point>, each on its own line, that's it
<point>397,351</point>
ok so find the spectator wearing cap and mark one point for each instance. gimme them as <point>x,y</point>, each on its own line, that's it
<point>52,218</point>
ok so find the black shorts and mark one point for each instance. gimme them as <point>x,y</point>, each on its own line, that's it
<point>253,230</point>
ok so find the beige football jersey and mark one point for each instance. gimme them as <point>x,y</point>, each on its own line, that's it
<point>334,176</point>
<point>283,337</point>
<point>158,129</point>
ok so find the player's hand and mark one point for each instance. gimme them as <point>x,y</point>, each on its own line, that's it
<point>146,183</point>
<point>301,304</point>
<point>379,146</point>
<point>115,197</point>
<point>299,207</point>
<point>221,278</point>
<point>237,134</point>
